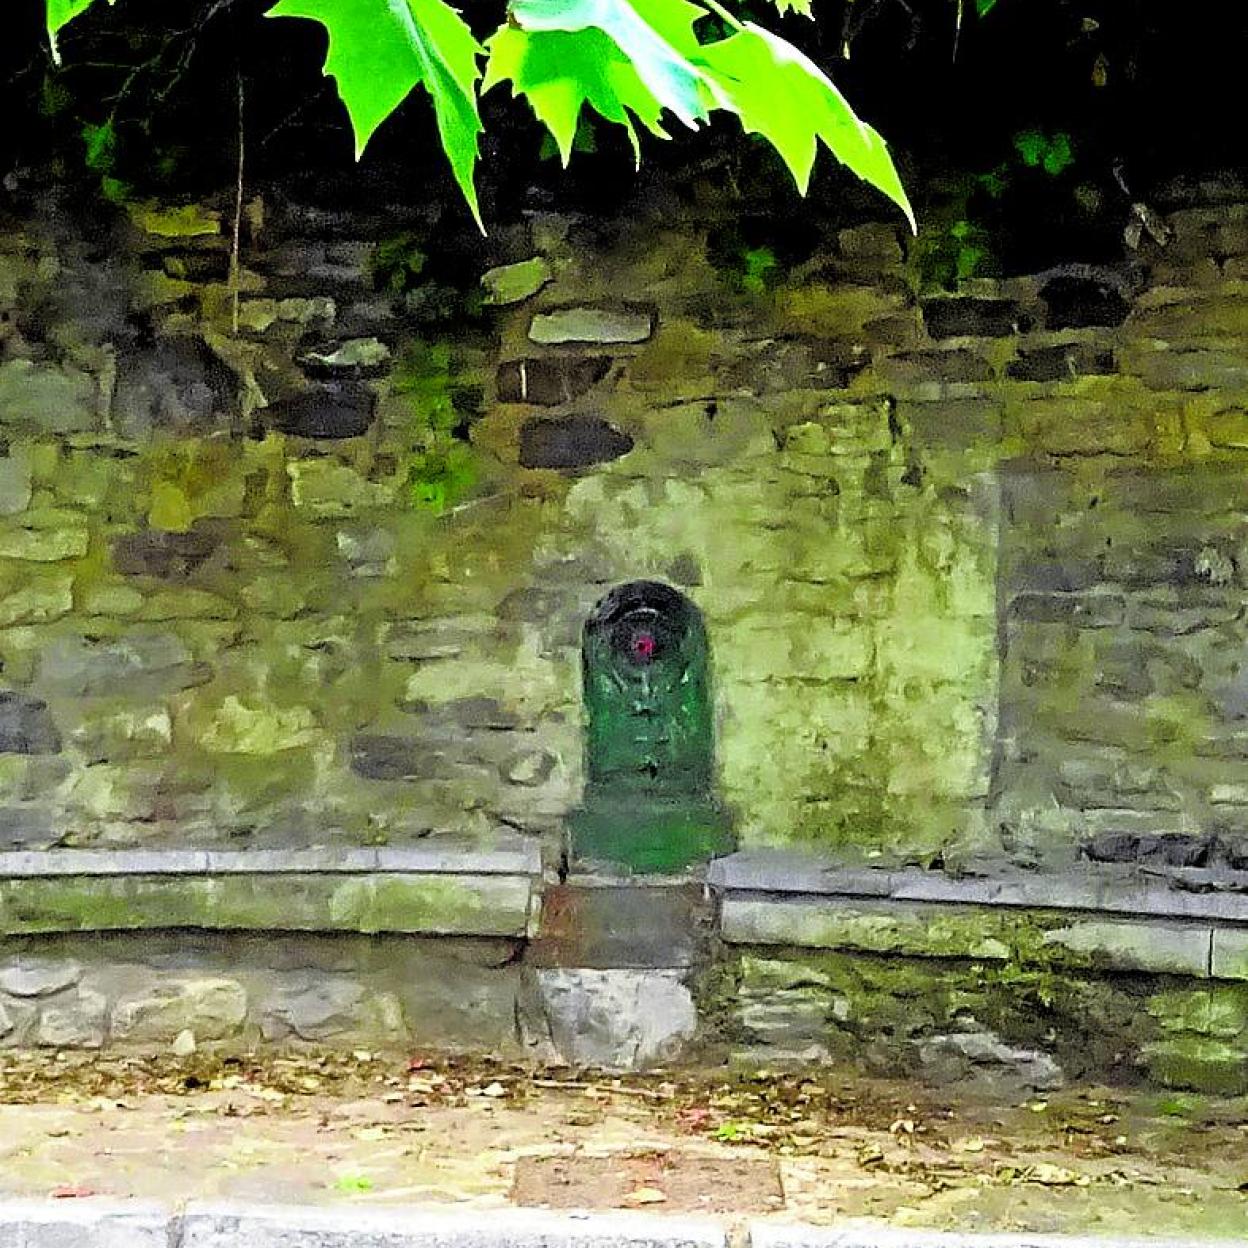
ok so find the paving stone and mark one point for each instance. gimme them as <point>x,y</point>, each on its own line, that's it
<point>97,1223</point>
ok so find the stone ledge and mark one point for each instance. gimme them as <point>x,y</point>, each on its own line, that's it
<point>83,1224</point>
<point>241,1226</point>
<point>514,857</point>
<point>417,904</point>
<point>977,933</point>
<point>865,1234</point>
<point>1102,891</point>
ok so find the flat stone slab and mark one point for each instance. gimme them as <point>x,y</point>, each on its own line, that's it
<point>1192,894</point>
<point>268,1227</point>
<point>980,933</point>
<point>603,325</point>
<point>511,857</point>
<point>425,904</point>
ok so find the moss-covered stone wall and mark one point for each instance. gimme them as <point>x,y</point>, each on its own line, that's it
<point>303,557</point>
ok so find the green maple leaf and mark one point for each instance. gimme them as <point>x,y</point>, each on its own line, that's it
<point>623,58</point>
<point>380,50</point>
<point>59,14</point>
<point>779,93</point>
<point>804,7</point>
<point>560,72</point>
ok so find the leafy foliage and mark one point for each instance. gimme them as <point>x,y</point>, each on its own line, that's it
<point>632,62</point>
<point>380,50</point>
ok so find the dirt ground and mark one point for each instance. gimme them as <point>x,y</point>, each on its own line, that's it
<point>373,1130</point>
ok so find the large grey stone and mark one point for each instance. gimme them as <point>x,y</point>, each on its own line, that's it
<point>330,1009</point>
<point>39,977</point>
<point>617,1019</point>
<point>234,1226</point>
<point>83,1224</point>
<point>210,1007</point>
<point>26,726</point>
<point>980,1057</point>
<point>74,1023</point>
<point>136,664</point>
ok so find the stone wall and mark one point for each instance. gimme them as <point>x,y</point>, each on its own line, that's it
<point>312,569</point>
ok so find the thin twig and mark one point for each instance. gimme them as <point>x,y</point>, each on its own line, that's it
<point>236,247</point>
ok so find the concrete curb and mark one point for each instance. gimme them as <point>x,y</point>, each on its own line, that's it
<point>871,1235</point>
<point>262,1226</point>
<point>83,1224</point>
<point>119,1224</point>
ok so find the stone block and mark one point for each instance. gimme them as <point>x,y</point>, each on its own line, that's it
<point>1082,302</point>
<point>336,409</point>
<point>140,662</point>
<point>609,927</point>
<point>74,1022</point>
<point>353,357</point>
<point>446,904</point>
<point>572,443</point>
<point>548,381</point>
<point>56,538</point>
<point>1230,953</point>
<point>1167,949</point>
<point>928,375</point>
<point>921,931</point>
<point>211,1008</point>
<point>1061,363</point>
<point>165,555</point>
<point>604,325</point>
<point>15,484</point>
<point>26,726</point>
<point>617,1019</point>
<point>327,1009</point>
<point>326,488</point>
<point>377,756</point>
<point>1078,610</point>
<point>1198,1063</point>
<point>38,976</point>
<point>514,283</point>
<point>968,317</point>
<point>46,398</point>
